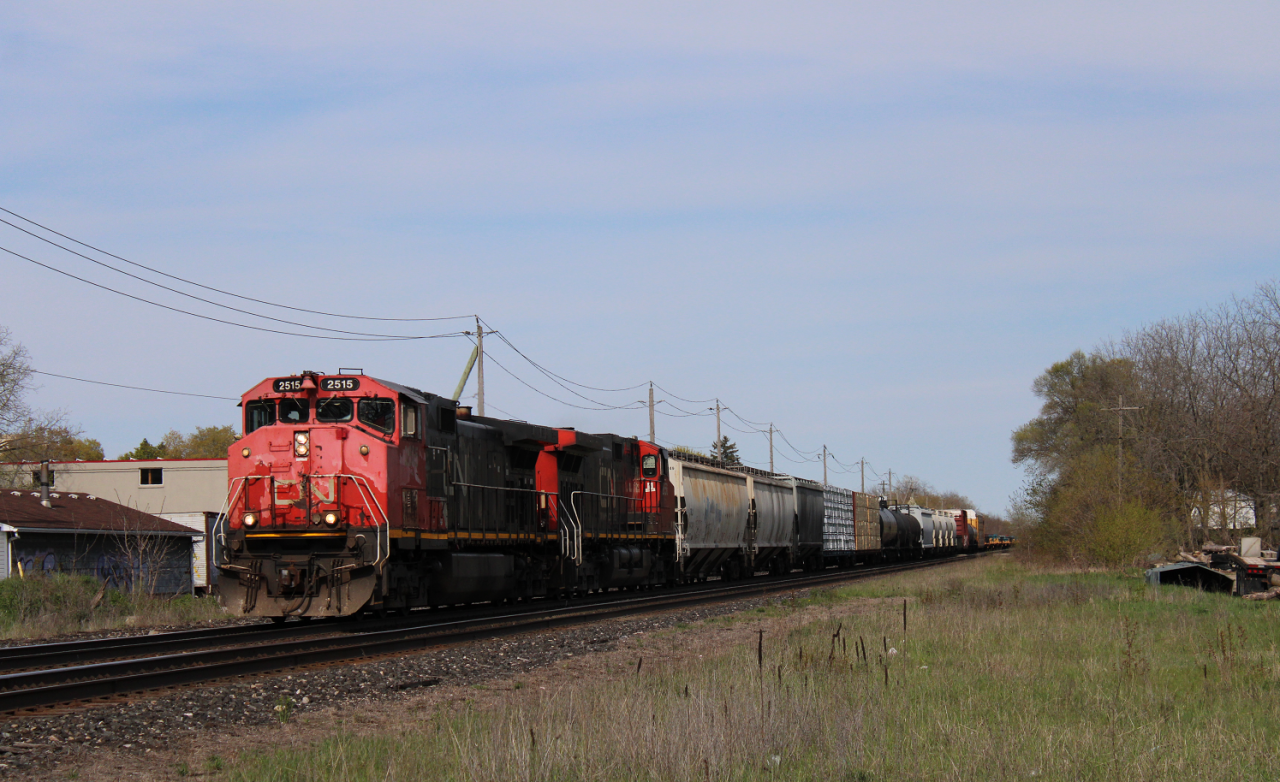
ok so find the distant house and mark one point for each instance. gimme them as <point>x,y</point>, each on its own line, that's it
<point>190,492</point>
<point>82,534</point>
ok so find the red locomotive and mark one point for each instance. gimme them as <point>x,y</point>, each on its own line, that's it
<point>349,493</point>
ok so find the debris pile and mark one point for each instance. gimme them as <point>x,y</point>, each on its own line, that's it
<point>1245,570</point>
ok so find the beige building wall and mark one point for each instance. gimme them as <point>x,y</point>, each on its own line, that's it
<point>185,485</point>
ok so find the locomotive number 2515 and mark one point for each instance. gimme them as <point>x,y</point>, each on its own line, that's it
<point>326,384</point>
<point>339,384</point>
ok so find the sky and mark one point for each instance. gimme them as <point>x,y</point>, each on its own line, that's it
<point>872,225</point>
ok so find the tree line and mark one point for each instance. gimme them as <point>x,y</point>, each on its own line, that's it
<point>1154,441</point>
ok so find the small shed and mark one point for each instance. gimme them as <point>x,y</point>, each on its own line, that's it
<point>1191,574</point>
<point>81,534</point>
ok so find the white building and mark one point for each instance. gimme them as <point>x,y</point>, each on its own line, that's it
<point>190,492</point>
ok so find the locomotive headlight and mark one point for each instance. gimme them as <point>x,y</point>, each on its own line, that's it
<point>301,438</point>
<point>300,449</point>
<point>331,518</point>
<point>301,443</point>
<point>250,519</point>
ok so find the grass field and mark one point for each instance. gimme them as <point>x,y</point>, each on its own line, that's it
<point>1002,673</point>
<point>45,606</point>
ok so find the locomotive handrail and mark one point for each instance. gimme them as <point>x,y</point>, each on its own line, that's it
<point>574,538</point>
<point>220,531</point>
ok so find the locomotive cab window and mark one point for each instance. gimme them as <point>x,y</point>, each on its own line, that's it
<point>378,413</point>
<point>408,420</point>
<point>333,410</point>
<point>649,466</point>
<point>258,414</point>
<point>294,411</point>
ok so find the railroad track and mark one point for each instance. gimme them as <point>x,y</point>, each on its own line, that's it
<point>111,669</point>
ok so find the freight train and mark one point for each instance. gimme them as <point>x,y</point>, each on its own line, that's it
<point>350,494</point>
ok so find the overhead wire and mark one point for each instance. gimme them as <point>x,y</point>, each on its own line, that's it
<point>682,399</point>
<point>536,390</point>
<point>553,375</point>
<point>192,296</point>
<point>134,388</point>
<point>213,289</point>
<point>223,320</point>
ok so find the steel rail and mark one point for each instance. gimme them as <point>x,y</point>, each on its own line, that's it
<point>32,690</point>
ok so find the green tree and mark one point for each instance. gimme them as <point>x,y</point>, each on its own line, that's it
<point>726,450</point>
<point>206,442</point>
<point>146,450</point>
<point>1074,417</point>
<point>1086,498</point>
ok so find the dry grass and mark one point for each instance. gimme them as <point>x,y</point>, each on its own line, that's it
<point>47,606</point>
<point>1002,673</point>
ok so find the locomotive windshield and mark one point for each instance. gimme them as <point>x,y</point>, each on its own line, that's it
<point>258,414</point>
<point>333,410</point>
<point>378,413</point>
<point>649,466</point>
<point>293,411</point>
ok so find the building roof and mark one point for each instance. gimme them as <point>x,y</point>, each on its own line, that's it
<point>79,513</point>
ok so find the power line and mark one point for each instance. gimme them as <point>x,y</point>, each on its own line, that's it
<point>682,399</point>
<point>526,384</point>
<point>193,296</point>
<point>221,320</point>
<point>216,290</point>
<point>135,388</point>
<point>554,376</point>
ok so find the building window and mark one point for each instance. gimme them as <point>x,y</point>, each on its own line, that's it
<point>152,476</point>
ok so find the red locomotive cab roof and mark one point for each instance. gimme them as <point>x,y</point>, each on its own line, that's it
<point>353,385</point>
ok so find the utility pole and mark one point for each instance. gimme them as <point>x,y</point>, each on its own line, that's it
<point>824,465</point>
<point>770,447</point>
<point>480,368</point>
<point>719,442</point>
<point>890,481</point>
<point>1119,410</point>
<point>651,433</point>
<point>862,469</point>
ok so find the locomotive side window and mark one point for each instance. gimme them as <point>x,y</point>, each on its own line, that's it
<point>378,413</point>
<point>649,467</point>
<point>409,420</point>
<point>258,414</point>
<point>333,410</point>
<point>294,411</point>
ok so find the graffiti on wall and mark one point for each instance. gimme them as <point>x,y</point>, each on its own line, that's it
<point>166,571</point>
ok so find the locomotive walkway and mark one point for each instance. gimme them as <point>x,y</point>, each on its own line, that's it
<point>100,671</point>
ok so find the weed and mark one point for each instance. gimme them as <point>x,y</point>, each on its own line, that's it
<point>284,708</point>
